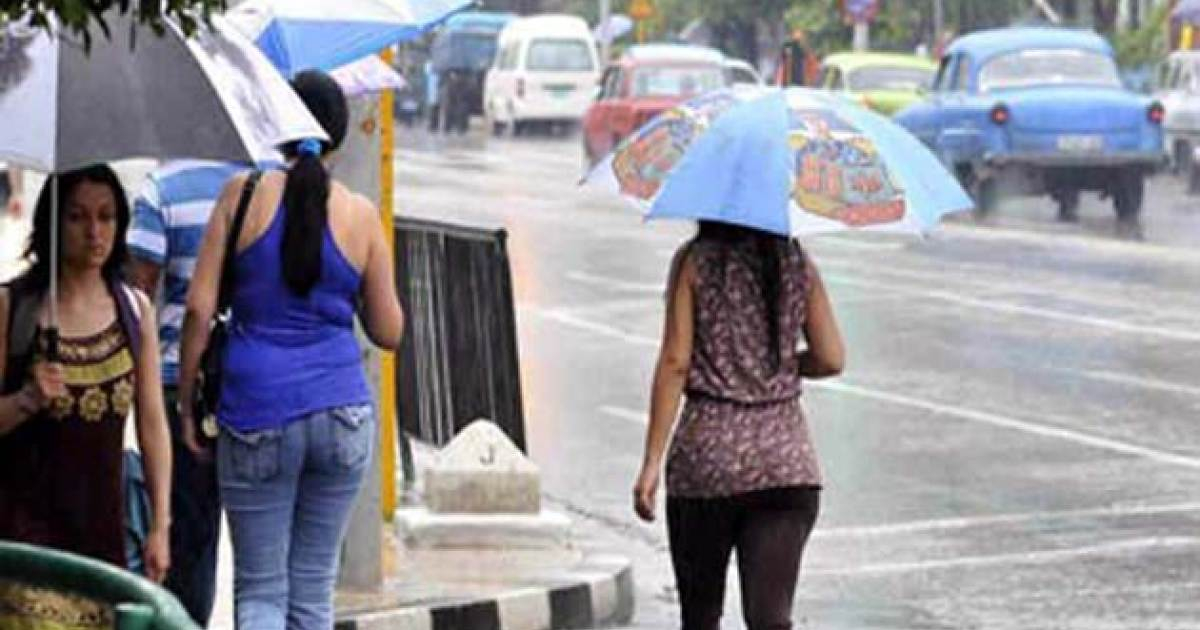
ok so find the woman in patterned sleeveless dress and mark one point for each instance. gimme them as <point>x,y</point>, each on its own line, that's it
<point>741,472</point>
<point>62,423</point>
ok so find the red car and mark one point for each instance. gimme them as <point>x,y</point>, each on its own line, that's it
<point>646,81</point>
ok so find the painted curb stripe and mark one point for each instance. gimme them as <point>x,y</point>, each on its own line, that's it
<point>592,602</point>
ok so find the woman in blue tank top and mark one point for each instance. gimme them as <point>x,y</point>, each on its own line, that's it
<point>297,427</point>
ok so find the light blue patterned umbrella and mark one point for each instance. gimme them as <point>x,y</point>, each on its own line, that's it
<point>791,162</point>
<point>325,34</point>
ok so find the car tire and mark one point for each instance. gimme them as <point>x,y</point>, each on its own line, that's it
<point>1068,206</point>
<point>985,192</point>
<point>1182,159</point>
<point>1128,194</point>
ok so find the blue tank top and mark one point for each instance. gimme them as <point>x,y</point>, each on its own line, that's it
<point>290,356</point>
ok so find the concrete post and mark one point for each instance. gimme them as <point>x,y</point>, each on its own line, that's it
<point>862,36</point>
<point>357,166</point>
<point>606,42</point>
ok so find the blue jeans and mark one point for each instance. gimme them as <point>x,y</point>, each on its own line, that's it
<point>288,494</point>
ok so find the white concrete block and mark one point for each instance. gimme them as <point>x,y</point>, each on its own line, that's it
<point>527,609</point>
<point>482,472</point>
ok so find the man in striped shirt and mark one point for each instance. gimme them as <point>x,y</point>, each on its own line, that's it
<point>170,216</point>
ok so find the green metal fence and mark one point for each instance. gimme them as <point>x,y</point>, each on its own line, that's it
<point>137,603</point>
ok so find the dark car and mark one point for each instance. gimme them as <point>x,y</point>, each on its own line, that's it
<point>462,52</point>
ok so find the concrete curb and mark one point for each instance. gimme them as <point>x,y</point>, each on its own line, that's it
<point>595,594</point>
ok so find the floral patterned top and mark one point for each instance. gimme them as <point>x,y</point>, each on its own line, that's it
<point>743,428</point>
<point>69,457</point>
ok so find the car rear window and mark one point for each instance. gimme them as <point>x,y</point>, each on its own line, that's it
<point>559,55</point>
<point>676,81</point>
<point>1049,67</point>
<point>889,78</point>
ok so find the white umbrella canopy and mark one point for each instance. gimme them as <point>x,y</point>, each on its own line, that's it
<point>211,96</point>
<point>137,94</point>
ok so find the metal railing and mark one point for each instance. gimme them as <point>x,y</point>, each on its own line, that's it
<point>459,361</point>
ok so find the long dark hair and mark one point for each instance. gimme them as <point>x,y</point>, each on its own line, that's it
<point>769,249</point>
<point>37,252</point>
<point>306,194</point>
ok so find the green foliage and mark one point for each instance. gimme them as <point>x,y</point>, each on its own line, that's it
<point>78,16</point>
<point>1145,45</point>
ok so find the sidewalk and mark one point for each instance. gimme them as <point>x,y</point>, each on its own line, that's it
<point>595,592</point>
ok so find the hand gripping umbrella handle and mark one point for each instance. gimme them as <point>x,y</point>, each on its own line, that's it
<point>50,337</point>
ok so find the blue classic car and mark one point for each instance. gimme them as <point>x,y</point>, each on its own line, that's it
<point>1040,111</point>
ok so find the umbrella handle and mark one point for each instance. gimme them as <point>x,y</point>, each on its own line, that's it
<point>50,334</point>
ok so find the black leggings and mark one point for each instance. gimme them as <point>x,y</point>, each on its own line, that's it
<point>768,528</point>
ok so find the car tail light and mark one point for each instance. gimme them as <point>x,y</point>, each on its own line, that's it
<point>1156,113</point>
<point>1000,114</point>
<point>521,88</point>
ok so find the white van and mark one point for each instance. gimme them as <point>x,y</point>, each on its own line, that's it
<point>546,70</point>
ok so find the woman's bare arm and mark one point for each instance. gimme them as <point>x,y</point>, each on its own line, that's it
<point>826,354</point>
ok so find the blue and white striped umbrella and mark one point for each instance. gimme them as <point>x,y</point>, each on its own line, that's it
<point>325,34</point>
<point>791,162</point>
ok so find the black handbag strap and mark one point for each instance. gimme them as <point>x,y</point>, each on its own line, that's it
<point>225,288</point>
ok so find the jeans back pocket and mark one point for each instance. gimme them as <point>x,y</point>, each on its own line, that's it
<point>253,455</point>
<point>353,435</point>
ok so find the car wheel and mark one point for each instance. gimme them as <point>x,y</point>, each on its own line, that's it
<point>1128,195</point>
<point>1068,206</point>
<point>1193,179</point>
<point>984,191</point>
<point>1182,162</point>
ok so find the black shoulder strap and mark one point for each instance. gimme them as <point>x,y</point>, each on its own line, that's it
<point>224,292</point>
<point>22,318</point>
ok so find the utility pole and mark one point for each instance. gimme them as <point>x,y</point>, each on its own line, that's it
<point>862,35</point>
<point>939,23</point>
<point>606,31</point>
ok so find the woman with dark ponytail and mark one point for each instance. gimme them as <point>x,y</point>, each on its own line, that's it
<point>741,471</point>
<point>296,422</point>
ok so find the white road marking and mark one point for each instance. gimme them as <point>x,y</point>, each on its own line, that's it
<point>935,408</point>
<point>969,522</point>
<point>1144,383</point>
<point>583,277</point>
<point>1116,548</point>
<point>1020,309</point>
<point>604,330</point>
<point>625,413</point>
<point>933,294</point>
<point>997,420</point>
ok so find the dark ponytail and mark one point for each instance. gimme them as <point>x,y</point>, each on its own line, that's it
<point>769,276</point>
<point>306,200</point>
<point>768,249</point>
<point>306,194</point>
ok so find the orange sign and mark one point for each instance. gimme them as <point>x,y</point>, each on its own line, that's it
<point>641,9</point>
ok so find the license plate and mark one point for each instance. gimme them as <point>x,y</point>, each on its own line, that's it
<point>1081,143</point>
<point>560,91</point>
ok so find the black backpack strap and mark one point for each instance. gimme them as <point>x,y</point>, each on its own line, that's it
<point>225,290</point>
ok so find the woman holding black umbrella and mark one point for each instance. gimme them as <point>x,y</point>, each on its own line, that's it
<point>66,396</point>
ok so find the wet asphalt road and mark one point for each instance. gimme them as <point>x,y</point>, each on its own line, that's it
<point>1013,445</point>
